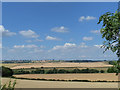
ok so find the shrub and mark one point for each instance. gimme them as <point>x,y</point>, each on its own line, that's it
<point>112,70</point>
<point>102,71</point>
<point>6,72</point>
<point>9,87</point>
<point>62,71</point>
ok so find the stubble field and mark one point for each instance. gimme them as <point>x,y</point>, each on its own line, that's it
<point>87,76</point>
<point>59,84</point>
<point>58,64</point>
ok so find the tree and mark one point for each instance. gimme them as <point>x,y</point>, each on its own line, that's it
<point>102,71</point>
<point>6,72</point>
<point>111,33</point>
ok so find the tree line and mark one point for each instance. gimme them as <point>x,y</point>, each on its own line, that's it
<point>57,71</point>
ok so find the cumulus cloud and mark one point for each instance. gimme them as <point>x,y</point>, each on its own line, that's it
<point>95,31</point>
<point>4,32</point>
<point>29,34</point>
<point>98,46</point>
<point>69,46</point>
<point>51,38</point>
<point>82,18</point>
<point>61,29</point>
<point>87,38</point>
<point>60,52</point>
<point>66,45</point>
<point>25,46</point>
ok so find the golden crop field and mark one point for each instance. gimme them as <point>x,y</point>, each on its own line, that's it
<point>87,76</point>
<point>57,64</point>
<point>59,84</point>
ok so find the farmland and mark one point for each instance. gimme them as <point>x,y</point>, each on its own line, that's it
<point>59,84</point>
<point>63,80</point>
<point>90,77</point>
<point>58,64</point>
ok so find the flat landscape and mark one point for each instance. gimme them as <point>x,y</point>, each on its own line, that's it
<point>70,79</point>
<point>90,77</point>
<point>58,64</point>
<point>59,84</point>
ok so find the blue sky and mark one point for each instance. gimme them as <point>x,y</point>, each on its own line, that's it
<point>55,30</point>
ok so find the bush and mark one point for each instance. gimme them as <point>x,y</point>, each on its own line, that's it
<point>6,72</point>
<point>102,71</point>
<point>21,71</point>
<point>62,71</point>
<point>50,72</point>
<point>76,71</point>
<point>112,70</point>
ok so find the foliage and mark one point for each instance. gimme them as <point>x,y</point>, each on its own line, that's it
<point>10,86</point>
<point>6,72</point>
<point>114,69</point>
<point>55,71</point>
<point>21,72</point>
<point>111,33</point>
<point>38,71</point>
<point>112,62</point>
<point>102,71</point>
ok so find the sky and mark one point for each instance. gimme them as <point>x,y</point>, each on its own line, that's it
<point>54,30</point>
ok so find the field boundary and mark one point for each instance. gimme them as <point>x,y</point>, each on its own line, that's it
<point>62,80</point>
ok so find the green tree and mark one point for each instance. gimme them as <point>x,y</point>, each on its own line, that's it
<point>111,33</point>
<point>102,71</point>
<point>6,72</point>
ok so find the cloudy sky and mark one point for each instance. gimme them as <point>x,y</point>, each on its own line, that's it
<point>54,30</point>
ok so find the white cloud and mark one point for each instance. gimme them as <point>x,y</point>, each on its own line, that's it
<point>36,40</point>
<point>66,45</point>
<point>83,45</point>
<point>61,29</point>
<point>19,46</point>
<point>60,52</point>
<point>95,31</point>
<point>86,18</point>
<point>98,46</point>
<point>31,46</point>
<point>29,34</point>
<point>25,46</point>
<point>4,32</point>
<point>87,38</point>
<point>39,40</point>
<point>51,38</point>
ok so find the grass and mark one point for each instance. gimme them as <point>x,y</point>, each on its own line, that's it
<point>10,86</point>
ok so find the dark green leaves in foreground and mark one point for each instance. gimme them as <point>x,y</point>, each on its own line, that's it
<point>111,33</point>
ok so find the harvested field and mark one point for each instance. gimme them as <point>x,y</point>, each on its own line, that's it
<point>59,64</point>
<point>59,84</point>
<point>90,77</point>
